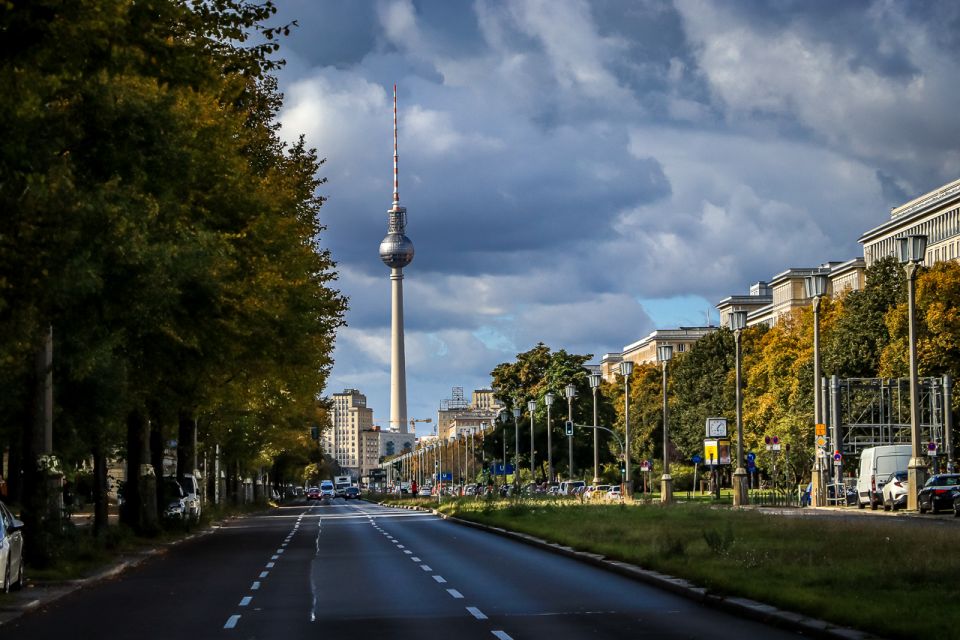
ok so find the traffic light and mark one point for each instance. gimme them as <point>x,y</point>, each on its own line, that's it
<point>569,427</point>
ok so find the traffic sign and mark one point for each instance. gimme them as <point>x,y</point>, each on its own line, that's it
<point>837,456</point>
<point>644,466</point>
<point>821,441</point>
<point>931,448</point>
<point>821,429</point>
<point>751,456</point>
<point>569,427</point>
<point>696,459</point>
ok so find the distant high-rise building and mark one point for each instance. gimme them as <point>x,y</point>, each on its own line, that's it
<point>350,418</point>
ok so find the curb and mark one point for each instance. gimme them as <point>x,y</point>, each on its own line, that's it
<point>746,607</point>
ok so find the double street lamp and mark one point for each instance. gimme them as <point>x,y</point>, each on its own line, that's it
<point>626,368</point>
<point>738,321</point>
<point>816,287</point>
<point>571,393</point>
<point>548,400</point>
<point>912,251</point>
<point>664,355</point>
<point>595,379</point>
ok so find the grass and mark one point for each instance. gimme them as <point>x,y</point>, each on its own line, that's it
<point>879,576</point>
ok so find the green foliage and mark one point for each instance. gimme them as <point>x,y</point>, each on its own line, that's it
<point>703,382</point>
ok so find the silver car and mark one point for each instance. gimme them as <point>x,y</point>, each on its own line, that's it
<point>11,549</point>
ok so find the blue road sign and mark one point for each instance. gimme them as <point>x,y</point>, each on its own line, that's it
<point>498,470</point>
<point>751,456</point>
<point>445,477</point>
<point>697,459</point>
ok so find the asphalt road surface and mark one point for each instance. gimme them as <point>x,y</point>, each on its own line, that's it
<point>364,571</point>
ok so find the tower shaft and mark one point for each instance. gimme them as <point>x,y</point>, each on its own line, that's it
<point>398,376</point>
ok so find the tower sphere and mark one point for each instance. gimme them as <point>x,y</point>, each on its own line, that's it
<point>396,250</point>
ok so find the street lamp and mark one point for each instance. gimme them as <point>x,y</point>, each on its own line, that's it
<point>503,418</point>
<point>912,251</point>
<point>816,286</point>
<point>664,355</point>
<point>595,379</point>
<point>626,368</point>
<point>532,407</point>
<point>516,443</point>
<point>738,321</point>
<point>548,400</point>
<point>571,393</point>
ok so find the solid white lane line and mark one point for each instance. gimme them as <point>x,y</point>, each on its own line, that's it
<point>254,586</point>
<point>425,567</point>
<point>456,594</point>
<point>245,601</point>
<point>415,559</point>
<point>264,574</point>
<point>440,579</point>
<point>232,621</point>
<point>270,565</point>
<point>476,613</point>
<point>502,635</point>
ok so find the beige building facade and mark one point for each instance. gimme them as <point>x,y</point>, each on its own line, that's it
<point>645,350</point>
<point>935,214</point>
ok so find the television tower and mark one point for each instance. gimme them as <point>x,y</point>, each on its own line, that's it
<point>396,251</point>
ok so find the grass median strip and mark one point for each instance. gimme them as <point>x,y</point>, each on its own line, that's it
<point>878,575</point>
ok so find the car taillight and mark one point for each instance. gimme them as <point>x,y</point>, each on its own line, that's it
<point>941,491</point>
<point>873,482</point>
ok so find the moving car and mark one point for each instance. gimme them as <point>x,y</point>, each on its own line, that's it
<point>615,493</point>
<point>939,492</point>
<point>313,493</point>
<point>327,490</point>
<point>11,549</point>
<point>351,493</point>
<point>895,491</point>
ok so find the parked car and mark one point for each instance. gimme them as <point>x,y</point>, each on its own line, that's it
<point>876,465</point>
<point>192,488</point>
<point>615,494</point>
<point>571,487</point>
<point>895,491</point>
<point>351,493</point>
<point>11,549</point>
<point>313,493</point>
<point>597,492</point>
<point>174,500</point>
<point>939,492</point>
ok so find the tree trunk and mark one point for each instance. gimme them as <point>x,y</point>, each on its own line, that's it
<point>156,461</point>
<point>140,490</point>
<point>186,444</point>
<point>100,517</point>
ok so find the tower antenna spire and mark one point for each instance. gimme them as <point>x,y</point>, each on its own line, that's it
<point>396,174</point>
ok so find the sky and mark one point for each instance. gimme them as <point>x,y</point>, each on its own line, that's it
<point>582,173</point>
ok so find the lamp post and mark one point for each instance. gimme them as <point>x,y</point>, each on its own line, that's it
<point>570,392</point>
<point>503,418</point>
<point>816,287</point>
<point>595,379</point>
<point>738,321</point>
<point>626,368</point>
<point>664,355</point>
<point>483,454</point>
<point>516,443</point>
<point>912,250</point>
<point>532,407</point>
<point>548,400</point>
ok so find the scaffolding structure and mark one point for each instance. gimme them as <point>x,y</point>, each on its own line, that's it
<point>876,411</point>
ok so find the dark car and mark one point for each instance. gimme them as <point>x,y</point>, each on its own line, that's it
<point>939,492</point>
<point>313,493</point>
<point>351,492</point>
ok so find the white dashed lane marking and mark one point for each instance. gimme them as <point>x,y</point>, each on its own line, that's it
<point>264,574</point>
<point>254,586</point>
<point>502,635</point>
<point>476,613</point>
<point>245,601</point>
<point>232,621</point>
<point>440,579</point>
<point>425,567</point>
<point>456,594</point>
<point>415,559</point>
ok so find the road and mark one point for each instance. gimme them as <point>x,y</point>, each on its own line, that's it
<point>365,571</point>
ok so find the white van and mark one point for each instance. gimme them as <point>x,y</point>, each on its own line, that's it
<point>876,465</point>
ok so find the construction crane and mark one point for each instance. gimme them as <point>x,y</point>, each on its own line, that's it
<point>414,421</point>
